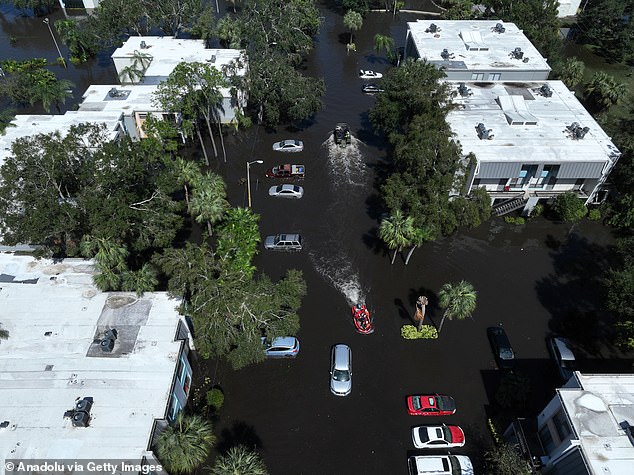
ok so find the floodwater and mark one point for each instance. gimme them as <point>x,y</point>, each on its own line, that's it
<point>535,279</point>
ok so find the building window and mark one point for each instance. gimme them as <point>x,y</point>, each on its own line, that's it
<point>477,76</point>
<point>187,384</point>
<point>179,369</point>
<point>495,76</point>
<point>546,439</point>
<point>560,421</point>
<point>174,408</point>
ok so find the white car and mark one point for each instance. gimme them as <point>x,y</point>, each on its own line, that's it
<point>286,191</point>
<point>289,146</point>
<point>367,74</point>
<point>440,465</point>
<point>341,370</point>
<point>431,437</point>
<point>563,356</point>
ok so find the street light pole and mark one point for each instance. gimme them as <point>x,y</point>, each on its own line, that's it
<point>48,23</point>
<point>249,178</point>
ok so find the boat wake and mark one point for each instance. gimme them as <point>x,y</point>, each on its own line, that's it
<point>337,269</point>
<point>347,166</point>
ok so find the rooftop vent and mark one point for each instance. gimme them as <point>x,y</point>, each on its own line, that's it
<point>4,424</point>
<point>433,28</point>
<point>143,45</point>
<point>499,28</point>
<point>545,90</point>
<point>576,131</point>
<point>114,92</point>
<point>463,90</point>
<point>107,342</point>
<point>525,60</point>
<point>81,413</point>
<point>483,132</point>
<point>81,419</point>
<point>446,55</point>
<point>517,53</point>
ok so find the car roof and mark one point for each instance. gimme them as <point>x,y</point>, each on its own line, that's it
<point>342,356</point>
<point>286,341</point>
<point>499,334</point>
<point>565,352</point>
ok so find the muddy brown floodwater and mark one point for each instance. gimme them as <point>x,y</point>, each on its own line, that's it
<point>535,279</point>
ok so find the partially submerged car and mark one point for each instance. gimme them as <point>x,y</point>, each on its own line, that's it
<point>502,349</point>
<point>431,437</point>
<point>342,134</point>
<point>281,347</point>
<point>286,171</point>
<point>286,191</point>
<point>371,89</point>
<point>283,242</point>
<point>341,370</point>
<point>440,465</point>
<point>564,357</point>
<point>367,74</point>
<point>430,405</point>
<point>290,145</point>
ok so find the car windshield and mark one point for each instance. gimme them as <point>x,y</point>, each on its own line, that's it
<point>416,402</point>
<point>506,354</point>
<point>341,375</point>
<point>444,403</point>
<point>455,465</point>
<point>446,434</point>
<point>422,434</point>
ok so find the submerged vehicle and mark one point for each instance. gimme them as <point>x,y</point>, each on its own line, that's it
<point>362,320</point>
<point>371,89</point>
<point>290,145</point>
<point>286,171</point>
<point>342,134</point>
<point>367,74</point>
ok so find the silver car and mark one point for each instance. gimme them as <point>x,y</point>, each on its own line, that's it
<point>286,191</point>
<point>283,242</point>
<point>341,370</point>
<point>290,145</point>
<point>563,356</point>
<point>281,347</point>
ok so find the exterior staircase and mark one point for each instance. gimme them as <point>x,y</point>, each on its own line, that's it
<point>508,206</point>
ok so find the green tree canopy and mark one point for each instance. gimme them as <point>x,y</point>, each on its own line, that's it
<point>607,24</point>
<point>603,91</point>
<point>458,300</point>
<point>506,460</point>
<point>569,207</point>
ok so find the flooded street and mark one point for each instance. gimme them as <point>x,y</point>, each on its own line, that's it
<point>535,279</point>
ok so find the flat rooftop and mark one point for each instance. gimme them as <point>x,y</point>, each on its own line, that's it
<point>56,317</point>
<point>167,52</point>
<point>475,45</point>
<point>526,124</point>
<point>126,98</point>
<point>29,125</point>
<point>596,410</point>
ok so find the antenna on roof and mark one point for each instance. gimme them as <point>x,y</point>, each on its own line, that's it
<point>499,28</point>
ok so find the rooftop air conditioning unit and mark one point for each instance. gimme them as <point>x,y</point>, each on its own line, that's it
<point>84,404</point>
<point>517,53</point>
<point>143,45</point>
<point>81,419</point>
<point>464,90</point>
<point>499,28</point>
<point>545,90</point>
<point>432,28</point>
<point>444,54</point>
<point>107,342</point>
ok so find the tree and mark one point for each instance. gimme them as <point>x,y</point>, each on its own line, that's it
<point>417,238</point>
<point>7,116</point>
<point>506,459</point>
<point>185,443</point>
<point>458,300</point>
<point>571,72</point>
<point>238,238</point>
<point>382,42</point>
<point>239,461</point>
<point>209,200</point>
<point>603,91</point>
<point>353,21</point>
<point>458,10</point>
<point>143,280</point>
<point>605,24</point>
<point>396,232</point>
<point>172,16</point>
<point>82,43</point>
<point>569,207</point>
<point>187,172</point>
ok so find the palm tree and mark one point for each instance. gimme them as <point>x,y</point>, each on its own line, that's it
<point>353,21</point>
<point>4,334</point>
<point>208,202</point>
<point>571,72</point>
<point>239,461</point>
<point>141,281</point>
<point>108,253</point>
<point>396,231</point>
<point>188,172</point>
<point>604,91</point>
<point>185,444</point>
<point>382,42</point>
<point>6,118</point>
<point>52,93</point>
<point>458,300</point>
<point>417,238</point>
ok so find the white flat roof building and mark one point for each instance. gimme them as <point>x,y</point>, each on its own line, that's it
<point>567,8</point>
<point>29,125</point>
<point>584,429</point>
<point>531,139</point>
<point>53,358</point>
<point>476,50</point>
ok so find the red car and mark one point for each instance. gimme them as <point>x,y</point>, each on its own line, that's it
<point>430,405</point>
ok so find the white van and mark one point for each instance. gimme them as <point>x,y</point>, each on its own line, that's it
<point>440,465</point>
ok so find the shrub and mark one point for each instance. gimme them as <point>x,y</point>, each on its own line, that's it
<point>215,398</point>
<point>538,210</point>
<point>594,214</point>
<point>514,220</point>
<point>409,332</point>
<point>569,207</point>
